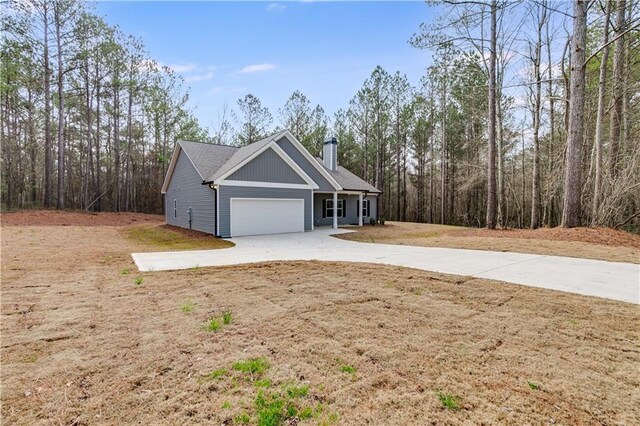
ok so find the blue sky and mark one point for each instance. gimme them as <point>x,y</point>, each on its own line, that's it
<point>227,49</point>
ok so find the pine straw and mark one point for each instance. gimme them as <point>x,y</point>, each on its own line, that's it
<point>590,243</point>
<point>81,343</point>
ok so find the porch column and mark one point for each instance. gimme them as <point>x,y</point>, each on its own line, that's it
<point>335,210</point>
<point>360,210</point>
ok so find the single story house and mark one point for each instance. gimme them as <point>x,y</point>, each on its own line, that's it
<point>270,186</point>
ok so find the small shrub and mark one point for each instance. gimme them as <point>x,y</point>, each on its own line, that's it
<point>187,307</point>
<point>218,373</point>
<point>533,386</point>
<point>382,221</point>
<point>227,317</point>
<point>138,280</point>
<point>372,221</point>
<point>348,369</point>
<point>252,366</point>
<point>448,401</point>
<point>125,271</point>
<point>213,325</point>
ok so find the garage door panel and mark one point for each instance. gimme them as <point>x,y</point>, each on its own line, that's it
<point>256,216</point>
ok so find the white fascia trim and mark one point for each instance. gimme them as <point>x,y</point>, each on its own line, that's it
<point>265,184</point>
<point>276,148</point>
<point>312,160</point>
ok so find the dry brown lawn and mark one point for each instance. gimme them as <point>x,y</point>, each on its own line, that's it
<point>82,343</point>
<point>589,243</point>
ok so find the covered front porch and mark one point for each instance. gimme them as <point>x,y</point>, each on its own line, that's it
<point>353,208</point>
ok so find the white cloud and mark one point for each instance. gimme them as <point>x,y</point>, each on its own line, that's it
<point>249,69</point>
<point>274,7</point>
<point>199,77</point>
<point>183,67</point>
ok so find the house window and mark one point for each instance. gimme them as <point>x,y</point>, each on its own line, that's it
<point>175,208</point>
<point>366,204</point>
<point>327,211</point>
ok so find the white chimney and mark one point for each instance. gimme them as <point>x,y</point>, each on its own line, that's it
<point>330,154</point>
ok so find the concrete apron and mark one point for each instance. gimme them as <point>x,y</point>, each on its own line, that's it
<point>611,280</point>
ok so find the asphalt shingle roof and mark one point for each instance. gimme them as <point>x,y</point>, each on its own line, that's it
<point>212,161</point>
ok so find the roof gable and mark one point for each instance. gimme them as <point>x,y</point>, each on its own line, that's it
<point>268,166</point>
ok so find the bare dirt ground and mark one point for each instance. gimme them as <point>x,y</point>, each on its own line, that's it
<point>76,218</point>
<point>85,341</point>
<point>589,243</point>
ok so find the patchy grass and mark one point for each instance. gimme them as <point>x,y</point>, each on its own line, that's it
<point>165,237</point>
<point>449,401</point>
<point>253,366</point>
<point>588,243</point>
<point>125,271</point>
<point>533,386</point>
<point>138,280</point>
<point>348,369</point>
<point>227,317</point>
<point>213,325</point>
<point>188,307</point>
<point>108,352</point>
<point>217,373</point>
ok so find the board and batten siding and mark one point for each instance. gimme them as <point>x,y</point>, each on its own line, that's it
<point>187,190</point>
<point>267,167</point>
<point>225,193</point>
<point>301,160</point>
<point>351,217</point>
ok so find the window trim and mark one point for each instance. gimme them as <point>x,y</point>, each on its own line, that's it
<point>326,209</point>
<point>175,208</point>
<point>366,206</point>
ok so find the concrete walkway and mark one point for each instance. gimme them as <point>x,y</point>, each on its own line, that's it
<point>618,281</point>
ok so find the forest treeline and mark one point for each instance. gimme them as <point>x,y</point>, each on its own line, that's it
<point>527,116</point>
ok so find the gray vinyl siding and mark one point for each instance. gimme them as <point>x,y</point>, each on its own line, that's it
<point>305,165</point>
<point>187,189</point>
<point>267,167</point>
<point>351,213</point>
<point>228,192</point>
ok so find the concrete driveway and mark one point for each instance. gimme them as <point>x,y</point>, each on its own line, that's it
<point>618,281</point>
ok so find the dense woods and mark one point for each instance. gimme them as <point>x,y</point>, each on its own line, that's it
<point>527,116</point>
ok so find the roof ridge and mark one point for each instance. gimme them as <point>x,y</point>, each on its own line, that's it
<point>209,143</point>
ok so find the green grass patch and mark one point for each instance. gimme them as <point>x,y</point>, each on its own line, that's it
<point>262,383</point>
<point>138,280</point>
<point>533,386</point>
<point>449,401</point>
<point>174,239</point>
<point>348,369</point>
<point>125,271</point>
<point>297,391</point>
<point>242,419</point>
<point>217,374</point>
<point>226,405</point>
<point>213,325</point>
<point>227,317</point>
<point>188,307</point>
<point>252,366</point>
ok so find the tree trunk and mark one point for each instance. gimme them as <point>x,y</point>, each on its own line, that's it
<point>602,80</point>
<point>491,152</point>
<point>48,155</point>
<point>61,145</point>
<point>537,112</point>
<point>617,95</point>
<point>573,171</point>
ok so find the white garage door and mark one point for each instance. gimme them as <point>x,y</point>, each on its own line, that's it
<point>256,216</point>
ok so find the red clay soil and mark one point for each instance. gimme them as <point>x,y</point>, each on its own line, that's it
<point>602,236</point>
<point>76,218</point>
